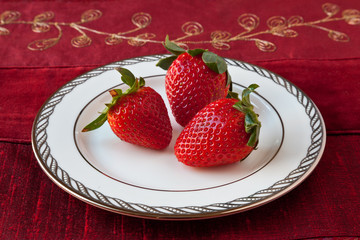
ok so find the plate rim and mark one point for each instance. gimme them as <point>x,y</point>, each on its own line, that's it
<point>64,181</point>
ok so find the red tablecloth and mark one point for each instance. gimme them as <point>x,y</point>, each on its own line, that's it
<point>313,44</point>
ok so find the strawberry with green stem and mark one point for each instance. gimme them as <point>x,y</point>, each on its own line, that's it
<point>223,132</point>
<point>194,79</point>
<point>138,115</point>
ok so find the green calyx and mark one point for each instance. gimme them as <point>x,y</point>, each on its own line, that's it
<point>212,60</point>
<point>129,79</point>
<point>252,123</point>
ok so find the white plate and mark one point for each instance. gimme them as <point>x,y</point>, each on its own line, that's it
<point>100,169</point>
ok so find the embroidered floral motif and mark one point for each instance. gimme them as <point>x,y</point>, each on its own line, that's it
<point>277,26</point>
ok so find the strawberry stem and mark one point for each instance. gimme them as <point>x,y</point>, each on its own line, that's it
<point>113,93</point>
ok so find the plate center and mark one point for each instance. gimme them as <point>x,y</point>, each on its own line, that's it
<point>159,170</point>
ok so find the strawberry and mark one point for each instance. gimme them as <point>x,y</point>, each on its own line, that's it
<point>138,115</point>
<point>194,79</point>
<point>223,132</point>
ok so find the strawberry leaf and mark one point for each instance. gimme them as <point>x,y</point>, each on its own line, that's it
<point>126,76</point>
<point>214,62</point>
<point>232,95</point>
<point>172,47</point>
<point>166,62</point>
<point>254,137</point>
<point>141,82</point>
<point>98,122</point>
<point>252,124</point>
<point>195,52</point>
<point>245,96</point>
<point>250,120</point>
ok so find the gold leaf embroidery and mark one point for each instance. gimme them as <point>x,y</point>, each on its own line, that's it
<point>330,9</point>
<point>265,46</point>
<point>43,44</point>
<point>278,26</point>
<point>352,16</point>
<point>139,40</point>
<point>338,36</point>
<point>220,35</point>
<point>113,39</point>
<point>290,33</point>
<point>4,31</point>
<point>90,15</point>
<point>81,41</point>
<point>295,20</point>
<point>248,21</point>
<point>192,28</point>
<point>39,25</point>
<point>276,22</point>
<point>282,32</point>
<point>183,45</point>
<point>141,20</point>
<point>9,17</point>
<point>218,38</point>
<point>46,16</point>
<point>221,45</point>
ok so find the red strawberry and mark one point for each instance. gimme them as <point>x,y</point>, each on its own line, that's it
<point>223,132</point>
<point>194,79</point>
<point>138,116</point>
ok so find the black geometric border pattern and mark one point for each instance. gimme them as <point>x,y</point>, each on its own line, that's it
<point>42,150</point>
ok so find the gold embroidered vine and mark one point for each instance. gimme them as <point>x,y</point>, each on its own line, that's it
<point>277,25</point>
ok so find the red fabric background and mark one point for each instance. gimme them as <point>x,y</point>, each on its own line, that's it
<point>327,204</point>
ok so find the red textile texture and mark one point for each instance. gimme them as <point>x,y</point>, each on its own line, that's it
<point>23,91</point>
<point>326,204</point>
